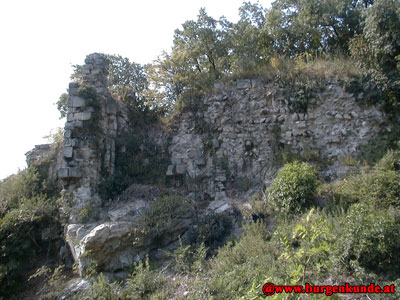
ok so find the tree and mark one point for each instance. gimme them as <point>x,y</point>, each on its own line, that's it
<point>250,45</point>
<point>314,25</point>
<point>378,47</point>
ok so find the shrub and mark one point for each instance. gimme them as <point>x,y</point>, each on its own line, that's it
<point>370,239</point>
<point>101,289</point>
<point>27,211</point>
<point>294,188</point>
<point>211,230</point>
<point>379,186</point>
<point>163,212</point>
<point>237,264</point>
<point>143,282</point>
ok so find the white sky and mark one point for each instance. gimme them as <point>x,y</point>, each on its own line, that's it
<point>39,40</point>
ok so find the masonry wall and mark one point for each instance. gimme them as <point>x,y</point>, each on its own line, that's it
<point>245,125</point>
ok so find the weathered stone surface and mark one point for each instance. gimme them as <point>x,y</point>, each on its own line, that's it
<point>63,173</point>
<point>243,84</point>
<point>67,152</point>
<point>180,169</point>
<point>82,116</point>
<point>74,173</point>
<point>76,101</point>
<point>170,170</point>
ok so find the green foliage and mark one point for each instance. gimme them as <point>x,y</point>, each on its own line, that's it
<point>370,239</point>
<point>211,230</point>
<point>101,289</point>
<point>188,259</point>
<point>17,188</point>
<point>378,49</point>
<point>140,162</point>
<point>163,213</point>
<point>379,186</point>
<point>21,240</point>
<point>237,265</point>
<point>62,105</point>
<point>377,147</point>
<point>28,207</point>
<point>54,281</point>
<point>294,188</point>
<point>143,282</point>
<point>307,249</point>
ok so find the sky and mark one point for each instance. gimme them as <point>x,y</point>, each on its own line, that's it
<point>41,39</point>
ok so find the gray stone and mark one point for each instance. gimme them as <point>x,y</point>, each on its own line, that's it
<point>354,114</point>
<point>70,117</point>
<point>111,108</point>
<point>176,160</point>
<point>215,143</point>
<point>73,85</point>
<point>170,170</point>
<point>200,161</point>
<point>76,101</point>
<point>67,152</point>
<point>243,84</point>
<point>63,173</point>
<point>83,116</point>
<point>339,116</point>
<point>67,133</point>
<point>180,169</point>
<point>74,173</point>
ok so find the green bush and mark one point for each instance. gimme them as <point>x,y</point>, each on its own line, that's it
<point>101,289</point>
<point>143,282</point>
<point>379,186</point>
<point>162,213</point>
<point>237,265</point>
<point>211,230</point>
<point>370,239</point>
<point>28,208</point>
<point>294,188</point>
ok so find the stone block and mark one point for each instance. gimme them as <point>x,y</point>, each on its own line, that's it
<point>63,173</point>
<point>73,85</point>
<point>69,126</point>
<point>215,143</point>
<point>73,91</point>
<point>111,108</point>
<point>176,160</point>
<point>301,124</point>
<point>99,61</point>
<point>180,169</point>
<point>200,161</point>
<point>97,71</point>
<point>354,114</point>
<point>243,84</point>
<point>74,173</point>
<point>76,101</point>
<point>83,116</point>
<point>67,152</point>
<point>170,170</point>
<point>67,133</point>
<point>70,117</point>
<point>89,60</point>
